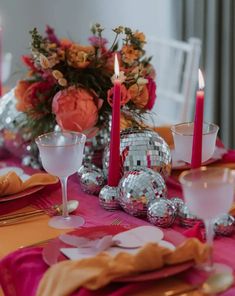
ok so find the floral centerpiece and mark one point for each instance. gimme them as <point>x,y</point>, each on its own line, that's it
<point>70,84</point>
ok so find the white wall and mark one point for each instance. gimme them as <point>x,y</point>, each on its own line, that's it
<point>73,18</point>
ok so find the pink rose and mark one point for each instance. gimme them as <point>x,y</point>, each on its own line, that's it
<point>76,109</point>
<point>151,86</point>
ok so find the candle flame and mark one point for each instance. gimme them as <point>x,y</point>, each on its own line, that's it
<point>201,81</point>
<point>116,66</point>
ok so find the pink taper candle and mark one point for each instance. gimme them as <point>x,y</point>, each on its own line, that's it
<point>196,160</point>
<point>114,158</point>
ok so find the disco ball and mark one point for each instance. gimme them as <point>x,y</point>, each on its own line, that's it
<point>141,148</point>
<point>138,189</point>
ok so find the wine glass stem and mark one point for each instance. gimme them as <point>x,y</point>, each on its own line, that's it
<point>63,181</point>
<point>209,227</point>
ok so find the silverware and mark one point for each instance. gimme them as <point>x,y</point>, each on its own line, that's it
<point>116,221</point>
<point>18,217</point>
<point>37,244</point>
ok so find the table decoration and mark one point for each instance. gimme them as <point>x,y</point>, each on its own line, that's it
<point>196,159</point>
<point>186,218</point>
<point>142,148</point>
<point>114,170</point>
<point>183,140</point>
<point>138,188</point>
<point>70,84</point>
<point>177,203</point>
<point>224,225</point>
<point>92,180</point>
<point>108,198</point>
<point>161,213</point>
<point>106,268</point>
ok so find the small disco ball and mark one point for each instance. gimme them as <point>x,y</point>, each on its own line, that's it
<point>141,148</point>
<point>186,218</point>
<point>92,180</point>
<point>86,167</point>
<point>161,213</point>
<point>138,188</point>
<point>224,225</point>
<point>108,198</point>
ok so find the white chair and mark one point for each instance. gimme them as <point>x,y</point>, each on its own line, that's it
<point>6,66</point>
<point>176,64</point>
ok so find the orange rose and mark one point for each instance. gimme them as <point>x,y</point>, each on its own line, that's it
<point>75,109</point>
<point>79,56</point>
<point>139,95</point>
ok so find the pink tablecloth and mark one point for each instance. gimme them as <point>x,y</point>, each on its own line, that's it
<point>21,271</point>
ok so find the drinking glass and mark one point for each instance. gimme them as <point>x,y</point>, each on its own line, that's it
<point>183,140</point>
<point>61,155</point>
<point>208,193</point>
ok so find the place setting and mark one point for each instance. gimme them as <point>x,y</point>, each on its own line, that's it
<point>110,204</point>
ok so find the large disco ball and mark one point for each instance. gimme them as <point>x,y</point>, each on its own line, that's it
<point>138,189</point>
<point>141,148</point>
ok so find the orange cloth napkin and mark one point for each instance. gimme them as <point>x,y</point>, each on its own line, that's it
<point>93,273</point>
<point>11,182</point>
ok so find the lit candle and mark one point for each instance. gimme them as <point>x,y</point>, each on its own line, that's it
<point>196,160</point>
<point>114,158</point>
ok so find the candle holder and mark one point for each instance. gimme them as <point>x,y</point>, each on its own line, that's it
<point>183,140</point>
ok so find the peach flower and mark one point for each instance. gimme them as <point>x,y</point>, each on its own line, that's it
<point>139,95</point>
<point>140,36</point>
<point>79,56</point>
<point>130,54</point>
<point>76,109</point>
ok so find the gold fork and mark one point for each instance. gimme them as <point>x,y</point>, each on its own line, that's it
<point>116,221</point>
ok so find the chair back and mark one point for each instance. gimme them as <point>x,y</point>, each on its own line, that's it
<point>6,66</point>
<point>176,64</point>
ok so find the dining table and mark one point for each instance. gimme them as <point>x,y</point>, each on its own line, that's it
<point>21,244</point>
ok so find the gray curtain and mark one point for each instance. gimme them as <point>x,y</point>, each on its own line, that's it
<point>213,21</point>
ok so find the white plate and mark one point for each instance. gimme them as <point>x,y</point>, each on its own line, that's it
<point>139,236</point>
<point>24,177</point>
<point>6,170</point>
<point>79,253</point>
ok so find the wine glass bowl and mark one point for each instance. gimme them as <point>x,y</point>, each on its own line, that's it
<point>208,193</point>
<point>183,140</point>
<point>61,154</point>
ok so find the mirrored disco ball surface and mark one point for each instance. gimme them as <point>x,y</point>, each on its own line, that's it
<point>142,148</point>
<point>138,189</point>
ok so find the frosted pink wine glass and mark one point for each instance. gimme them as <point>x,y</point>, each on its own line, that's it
<point>208,193</point>
<point>183,140</point>
<point>61,154</point>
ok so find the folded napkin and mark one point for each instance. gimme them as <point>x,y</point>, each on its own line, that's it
<point>95,272</point>
<point>11,182</point>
